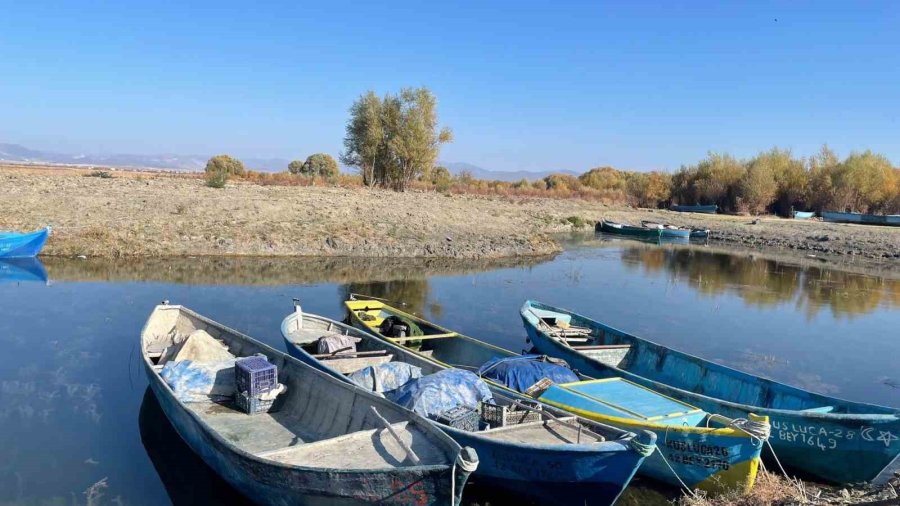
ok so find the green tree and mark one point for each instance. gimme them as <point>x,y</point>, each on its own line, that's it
<point>295,167</point>
<point>415,140</point>
<point>364,136</point>
<point>321,165</point>
<point>226,165</point>
<point>441,179</point>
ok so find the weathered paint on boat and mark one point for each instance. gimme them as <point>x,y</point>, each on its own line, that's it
<point>684,447</point>
<point>832,439</point>
<point>22,245</point>
<point>558,473</point>
<point>804,215</point>
<point>611,227</point>
<point>22,269</point>
<point>707,209</point>
<point>268,481</point>
<point>892,220</point>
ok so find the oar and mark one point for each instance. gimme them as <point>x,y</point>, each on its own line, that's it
<point>387,425</point>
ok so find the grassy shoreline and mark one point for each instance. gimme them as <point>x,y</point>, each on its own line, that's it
<point>145,214</point>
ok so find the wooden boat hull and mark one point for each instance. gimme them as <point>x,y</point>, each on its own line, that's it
<point>803,215</point>
<point>559,473</point>
<point>856,443</point>
<point>17,245</point>
<point>710,209</point>
<point>892,220</point>
<point>22,269</point>
<point>629,231</point>
<point>685,448</point>
<point>266,482</point>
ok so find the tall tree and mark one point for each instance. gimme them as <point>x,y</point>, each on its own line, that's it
<point>417,140</point>
<point>364,136</point>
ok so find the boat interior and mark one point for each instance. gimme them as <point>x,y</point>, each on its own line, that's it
<point>670,367</point>
<point>317,421</point>
<point>541,427</point>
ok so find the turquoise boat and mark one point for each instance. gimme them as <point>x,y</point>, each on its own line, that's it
<point>611,227</point>
<point>706,209</point>
<point>707,452</point>
<point>327,443</point>
<point>831,439</point>
<point>554,457</point>
<point>804,215</point>
<point>22,245</point>
<point>892,220</point>
<point>676,231</point>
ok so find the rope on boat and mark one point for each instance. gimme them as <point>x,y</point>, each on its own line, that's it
<point>759,432</point>
<point>686,488</point>
<point>464,464</point>
<point>644,450</point>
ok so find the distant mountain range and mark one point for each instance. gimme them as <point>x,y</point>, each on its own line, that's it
<point>18,153</point>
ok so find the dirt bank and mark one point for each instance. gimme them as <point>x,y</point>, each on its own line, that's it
<point>147,214</point>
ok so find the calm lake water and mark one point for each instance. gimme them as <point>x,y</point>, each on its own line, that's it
<point>77,426</point>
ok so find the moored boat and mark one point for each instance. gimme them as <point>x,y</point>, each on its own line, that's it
<point>706,451</point>
<point>327,443</point>
<point>22,245</point>
<point>551,455</point>
<point>832,439</point>
<point>803,215</point>
<point>676,231</point>
<point>892,220</point>
<point>611,227</point>
<point>707,209</point>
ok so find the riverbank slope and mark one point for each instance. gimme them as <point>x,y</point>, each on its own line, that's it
<point>153,214</point>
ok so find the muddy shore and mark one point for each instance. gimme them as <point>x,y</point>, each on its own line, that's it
<point>153,215</point>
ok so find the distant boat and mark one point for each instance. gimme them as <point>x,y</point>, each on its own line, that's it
<point>554,456</point>
<point>804,215</point>
<point>676,231</point>
<point>892,220</point>
<point>708,209</point>
<point>611,227</point>
<point>328,443</point>
<point>731,456</point>
<point>835,440</point>
<point>22,245</point>
<point>22,269</point>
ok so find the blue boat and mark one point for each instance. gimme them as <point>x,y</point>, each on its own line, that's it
<point>832,439</point>
<point>707,209</point>
<point>705,450</point>
<point>675,231</point>
<point>19,245</point>
<point>552,455</point>
<point>803,215</point>
<point>22,269</point>
<point>326,443</point>
<point>892,220</point>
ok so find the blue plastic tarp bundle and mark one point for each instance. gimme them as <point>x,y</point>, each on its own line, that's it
<point>436,393</point>
<point>200,381</point>
<point>385,377</point>
<point>519,373</point>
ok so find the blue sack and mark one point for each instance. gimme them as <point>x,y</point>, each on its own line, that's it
<point>520,373</point>
<point>385,377</point>
<point>439,392</point>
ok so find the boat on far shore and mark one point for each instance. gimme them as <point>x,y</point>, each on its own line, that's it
<point>803,215</point>
<point>892,220</point>
<point>707,209</point>
<point>612,227</point>
<point>676,231</point>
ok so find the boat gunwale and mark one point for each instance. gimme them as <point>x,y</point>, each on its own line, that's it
<point>635,424</point>
<point>620,443</point>
<point>253,457</point>
<point>759,410</point>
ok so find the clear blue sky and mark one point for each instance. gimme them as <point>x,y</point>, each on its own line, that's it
<point>524,85</point>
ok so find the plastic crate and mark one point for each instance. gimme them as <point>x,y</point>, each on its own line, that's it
<point>501,416</point>
<point>461,418</point>
<point>255,375</point>
<point>252,405</point>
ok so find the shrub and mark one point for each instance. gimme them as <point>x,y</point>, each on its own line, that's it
<point>226,165</point>
<point>441,179</point>
<point>102,174</point>
<point>576,221</point>
<point>216,179</point>
<point>317,165</point>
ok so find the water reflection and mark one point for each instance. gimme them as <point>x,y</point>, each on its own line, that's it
<point>186,478</point>
<point>766,282</point>
<point>272,270</point>
<point>22,269</point>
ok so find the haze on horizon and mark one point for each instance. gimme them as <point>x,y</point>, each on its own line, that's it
<point>523,85</point>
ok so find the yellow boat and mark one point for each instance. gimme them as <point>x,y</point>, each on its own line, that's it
<point>701,450</point>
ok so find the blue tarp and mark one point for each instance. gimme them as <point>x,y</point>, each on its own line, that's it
<point>200,381</point>
<point>519,373</point>
<point>436,393</point>
<point>385,377</point>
